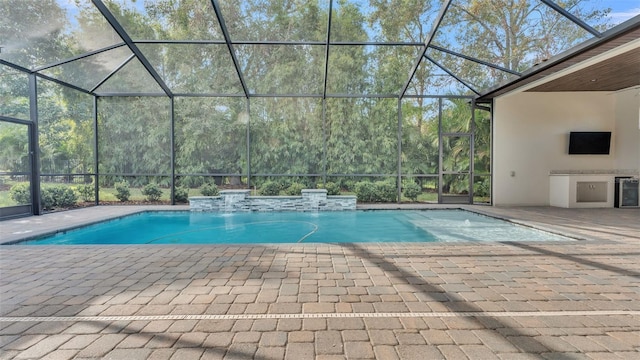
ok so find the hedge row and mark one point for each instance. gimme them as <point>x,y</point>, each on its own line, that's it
<point>65,196</point>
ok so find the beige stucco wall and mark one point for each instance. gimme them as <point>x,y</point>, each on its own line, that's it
<point>628,128</point>
<point>531,132</point>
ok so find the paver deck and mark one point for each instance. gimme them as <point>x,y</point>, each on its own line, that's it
<point>503,300</point>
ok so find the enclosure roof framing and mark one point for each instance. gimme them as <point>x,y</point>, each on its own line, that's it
<point>133,47</point>
<point>319,49</point>
<point>571,17</point>
<point>436,26</point>
<point>471,58</point>
<point>227,40</point>
<point>79,57</point>
<point>125,62</point>
<point>451,73</point>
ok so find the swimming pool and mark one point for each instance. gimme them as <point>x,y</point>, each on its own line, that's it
<point>184,227</point>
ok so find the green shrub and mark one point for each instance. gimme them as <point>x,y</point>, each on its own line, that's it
<point>65,196</point>
<point>380,191</point>
<point>284,184</point>
<point>58,196</point>
<point>270,188</point>
<point>332,188</point>
<point>122,190</point>
<point>411,190</point>
<point>209,189</point>
<point>385,191</point>
<point>192,181</point>
<point>86,191</point>
<point>21,193</point>
<point>294,189</point>
<point>365,191</point>
<point>482,188</point>
<point>181,194</point>
<point>348,185</point>
<point>152,192</point>
<point>46,197</point>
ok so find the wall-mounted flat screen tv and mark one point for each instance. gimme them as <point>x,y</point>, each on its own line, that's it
<point>589,142</point>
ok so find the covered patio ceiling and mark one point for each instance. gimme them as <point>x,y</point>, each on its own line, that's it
<point>289,48</point>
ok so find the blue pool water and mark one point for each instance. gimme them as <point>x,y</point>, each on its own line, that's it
<point>183,227</point>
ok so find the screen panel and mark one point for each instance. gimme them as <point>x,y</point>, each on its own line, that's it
<point>134,135</point>
<point>211,136</point>
<point>39,33</point>
<point>14,93</point>
<point>513,35</point>
<point>167,19</point>
<point>194,68</point>
<point>263,20</point>
<point>65,130</point>
<point>383,21</point>
<point>420,121</point>
<point>362,136</point>
<point>286,136</point>
<point>282,69</point>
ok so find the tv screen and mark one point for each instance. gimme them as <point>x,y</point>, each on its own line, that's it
<point>589,143</point>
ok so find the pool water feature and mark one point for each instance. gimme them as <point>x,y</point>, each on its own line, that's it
<point>184,227</point>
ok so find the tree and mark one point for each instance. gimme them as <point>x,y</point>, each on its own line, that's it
<point>32,32</point>
<point>134,137</point>
<point>210,137</point>
<point>14,145</point>
<point>420,136</point>
<point>516,34</point>
<point>287,134</point>
<point>14,93</point>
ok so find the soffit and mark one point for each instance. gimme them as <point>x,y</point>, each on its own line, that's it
<point>613,74</point>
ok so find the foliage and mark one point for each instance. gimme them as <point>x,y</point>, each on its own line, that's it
<point>152,192</point>
<point>191,182</point>
<point>210,136</point>
<point>411,190</point>
<point>520,33</point>
<point>58,196</point>
<point>288,135</point>
<point>122,190</point>
<point>14,156</point>
<point>21,193</point>
<point>86,191</point>
<point>294,189</point>
<point>348,184</point>
<point>270,188</point>
<point>482,144</point>
<point>379,191</point>
<point>209,189</point>
<point>386,191</point>
<point>46,197</point>
<point>365,191</point>
<point>331,187</point>
<point>362,136</point>
<point>134,147</point>
<point>181,194</point>
<point>482,188</point>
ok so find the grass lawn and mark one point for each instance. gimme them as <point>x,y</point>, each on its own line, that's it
<point>109,194</point>
<point>6,200</point>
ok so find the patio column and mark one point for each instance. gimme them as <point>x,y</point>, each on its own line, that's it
<point>34,146</point>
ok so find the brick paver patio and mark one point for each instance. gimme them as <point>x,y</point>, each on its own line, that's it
<point>527,300</point>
